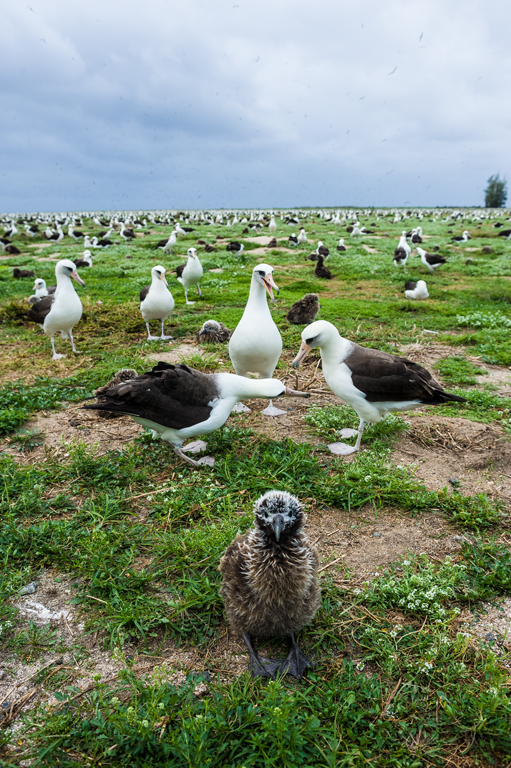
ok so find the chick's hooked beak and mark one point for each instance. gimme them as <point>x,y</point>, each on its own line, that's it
<point>278,525</point>
<point>162,277</point>
<point>269,284</point>
<point>303,352</point>
<point>76,276</point>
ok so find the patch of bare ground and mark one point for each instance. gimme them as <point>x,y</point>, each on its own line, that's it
<point>491,624</point>
<point>476,455</point>
<point>366,540</point>
<point>63,428</point>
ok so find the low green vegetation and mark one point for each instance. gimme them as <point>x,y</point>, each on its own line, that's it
<point>400,679</point>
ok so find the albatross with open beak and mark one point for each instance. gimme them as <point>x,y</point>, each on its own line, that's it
<point>256,344</point>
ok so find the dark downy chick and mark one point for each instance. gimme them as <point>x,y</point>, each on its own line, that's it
<point>213,331</point>
<point>305,310</point>
<point>321,271</point>
<point>17,272</point>
<point>270,583</point>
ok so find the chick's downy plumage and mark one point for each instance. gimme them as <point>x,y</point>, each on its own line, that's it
<point>213,331</point>
<point>305,310</point>
<point>270,583</point>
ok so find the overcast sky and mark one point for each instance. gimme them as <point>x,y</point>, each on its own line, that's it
<point>252,103</point>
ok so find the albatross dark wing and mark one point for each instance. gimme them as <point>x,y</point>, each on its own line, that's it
<point>144,292</point>
<point>383,377</point>
<point>40,309</point>
<point>179,270</point>
<point>174,396</point>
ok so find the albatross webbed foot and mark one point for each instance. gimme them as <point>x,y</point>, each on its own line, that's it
<point>341,449</point>
<point>184,457</point>
<point>261,667</point>
<point>240,408</point>
<point>271,410</point>
<point>296,662</point>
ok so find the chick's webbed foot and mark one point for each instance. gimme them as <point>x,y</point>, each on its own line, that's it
<point>259,666</point>
<point>296,662</point>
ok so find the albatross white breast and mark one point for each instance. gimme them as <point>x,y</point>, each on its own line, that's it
<point>256,344</point>
<point>190,273</point>
<point>372,382</point>
<point>66,308</point>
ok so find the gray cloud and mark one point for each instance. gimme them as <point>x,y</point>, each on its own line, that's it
<point>132,105</point>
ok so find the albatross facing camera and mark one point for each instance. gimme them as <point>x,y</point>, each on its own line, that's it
<point>270,583</point>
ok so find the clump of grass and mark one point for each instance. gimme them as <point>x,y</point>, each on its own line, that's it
<point>326,421</point>
<point>484,320</point>
<point>207,362</point>
<point>459,370</point>
<point>25,440</point>
<point>418,586</point>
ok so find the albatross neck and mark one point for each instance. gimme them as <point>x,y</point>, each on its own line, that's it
<point>335,350</point>
<point>257,297</point>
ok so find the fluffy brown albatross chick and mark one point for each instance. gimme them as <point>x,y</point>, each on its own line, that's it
<point>270,582</point>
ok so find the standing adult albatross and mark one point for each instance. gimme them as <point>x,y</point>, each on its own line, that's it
<point>372,382</point>
<point>62,311</point>
<point>256,344</point>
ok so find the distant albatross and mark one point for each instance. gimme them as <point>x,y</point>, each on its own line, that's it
<point>372,382</point>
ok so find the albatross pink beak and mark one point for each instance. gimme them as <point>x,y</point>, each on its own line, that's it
<point>76,276</point>
<point>269,284</point>
<point>304,351</point>
<point>294,393</point>
<point>162,277</point>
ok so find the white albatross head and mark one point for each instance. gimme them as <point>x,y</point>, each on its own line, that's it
<point>263,274</point>
<point>67,268</point>
<point>317,334</point>
<point>158,273</point>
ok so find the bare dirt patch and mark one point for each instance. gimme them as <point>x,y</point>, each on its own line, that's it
<point>63,428</point>
<point>427,354</point>
<point>477,456</point>
<point>366,541</point>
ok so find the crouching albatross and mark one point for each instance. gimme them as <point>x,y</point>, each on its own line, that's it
<point>270,583</point>
<point>178,402</point>
<point>372,382</point>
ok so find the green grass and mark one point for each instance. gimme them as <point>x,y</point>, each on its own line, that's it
<point>140,534</point>
<point>458,370</point>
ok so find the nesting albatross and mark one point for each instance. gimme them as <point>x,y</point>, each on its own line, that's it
<point>372,382</point>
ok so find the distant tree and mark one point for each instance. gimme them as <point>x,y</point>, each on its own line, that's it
<point>495,195</point>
